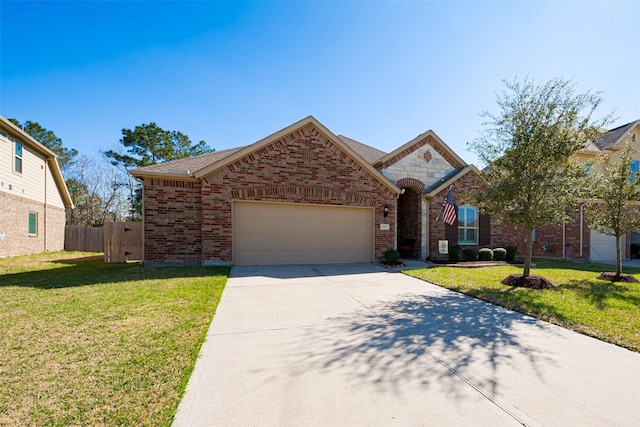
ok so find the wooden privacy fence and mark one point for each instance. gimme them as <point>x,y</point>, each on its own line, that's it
<point>79,238</point>
<point>122,241</point>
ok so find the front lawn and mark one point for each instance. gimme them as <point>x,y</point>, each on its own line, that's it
<point>605,310</point>
<point>88,343</point>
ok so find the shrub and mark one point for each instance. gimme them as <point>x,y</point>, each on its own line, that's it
<point>392,256</point>
<point>454,253</point>
<point>470,254</point>
<point>512,251</point>
<point>500,254</point>
<point>485,254</point>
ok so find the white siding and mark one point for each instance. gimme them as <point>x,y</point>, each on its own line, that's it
<point>6,163</point>
<point>28,184</point>
<point>53,192</point>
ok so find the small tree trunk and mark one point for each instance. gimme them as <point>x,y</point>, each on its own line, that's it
<point>527,257</point>
<point>618,257</point>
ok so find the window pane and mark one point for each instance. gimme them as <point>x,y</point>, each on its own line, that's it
<point>472,235</point>
<point>33,223</point>
<point>18,165</point>
<point>472,216</point>
<point>18,149</point>
<point>462,212</point>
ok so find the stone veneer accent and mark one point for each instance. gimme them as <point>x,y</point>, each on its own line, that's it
<point>414,165</point>
<point>14,223</point>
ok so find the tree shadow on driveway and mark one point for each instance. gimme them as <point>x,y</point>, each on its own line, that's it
<point>432,340</point>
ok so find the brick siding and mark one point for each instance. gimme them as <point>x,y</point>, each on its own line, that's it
<point>303,167</point>
<point>172,222</point>
<point>460,192</point>
<point>14,223</point>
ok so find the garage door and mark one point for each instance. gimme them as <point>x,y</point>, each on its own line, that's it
<point>280,233</point>
<point>603,247</point>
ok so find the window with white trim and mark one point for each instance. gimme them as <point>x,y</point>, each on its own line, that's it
<point>33,224</point>
<point>467,225</point>
<point>17,153</point>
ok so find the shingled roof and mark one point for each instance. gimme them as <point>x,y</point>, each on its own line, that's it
<point>610,138</point>
<point>193,164</point>
<point>189,165</point>
<point>370,154</point>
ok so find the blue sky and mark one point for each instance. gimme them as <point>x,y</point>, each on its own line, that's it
<point>231,73</point>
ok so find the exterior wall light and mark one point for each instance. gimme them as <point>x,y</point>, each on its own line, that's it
<point>386,210</point>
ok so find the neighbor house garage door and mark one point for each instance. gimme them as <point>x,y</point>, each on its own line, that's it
<point>281,233</point>
<point>603,247</point>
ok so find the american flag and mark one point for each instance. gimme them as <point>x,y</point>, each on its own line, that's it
<point>449,210</point>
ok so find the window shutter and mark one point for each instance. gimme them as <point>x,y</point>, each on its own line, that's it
<point>452,231</point>
<point>484,232</point>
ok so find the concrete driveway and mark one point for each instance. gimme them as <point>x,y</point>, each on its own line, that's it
<point>357,345</point>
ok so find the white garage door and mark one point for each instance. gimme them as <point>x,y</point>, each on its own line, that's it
<point>281,233</point>
<point>603,247</point>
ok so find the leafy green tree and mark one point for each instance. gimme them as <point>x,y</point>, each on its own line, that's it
<point>146,145</point>
<point>527,148</point>
<point>614,208</point>
<point>149,144</point>
<point>49,139</point>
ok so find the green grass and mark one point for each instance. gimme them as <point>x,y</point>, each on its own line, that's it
<point>88,343</point>
<point>605,310</point>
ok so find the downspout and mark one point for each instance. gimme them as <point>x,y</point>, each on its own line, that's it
<point>46,168</point>
<point>581,227</point>
<point>143,245</point>
<point>564,242</point>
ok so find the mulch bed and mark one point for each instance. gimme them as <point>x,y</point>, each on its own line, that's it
<point>612,277</point>
<point>392,264</point>
<point>531,282</point>
<point>475,264</point>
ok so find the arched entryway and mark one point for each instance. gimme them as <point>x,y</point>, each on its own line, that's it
<point>409,223</point>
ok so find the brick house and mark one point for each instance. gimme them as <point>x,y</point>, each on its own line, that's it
<point>575,240</point>
<point>33,195</point>
<point>305,195</point>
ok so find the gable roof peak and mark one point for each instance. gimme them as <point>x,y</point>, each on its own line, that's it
<point>235,154</point>
<point>428,137</point>
<point>612,137</point>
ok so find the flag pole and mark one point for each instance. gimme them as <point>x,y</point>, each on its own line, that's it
<point>442,207</point>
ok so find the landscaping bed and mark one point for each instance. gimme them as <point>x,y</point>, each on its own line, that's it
<point>475,264</point>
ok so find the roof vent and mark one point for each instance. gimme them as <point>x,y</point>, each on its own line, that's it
<point>180,171</point>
